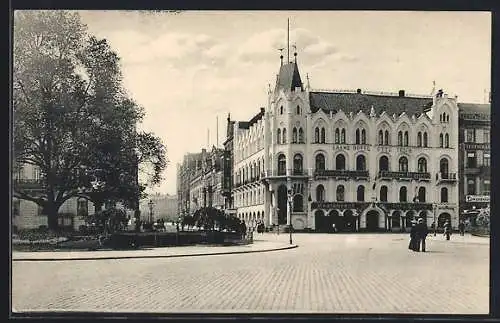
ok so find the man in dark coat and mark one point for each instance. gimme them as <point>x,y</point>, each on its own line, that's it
<point>413,236</point>
<point>421,234</point>
<point>447,229</point>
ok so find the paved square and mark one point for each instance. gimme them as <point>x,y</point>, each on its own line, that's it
<point>344,273</point>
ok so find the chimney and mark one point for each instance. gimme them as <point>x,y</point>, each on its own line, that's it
<point>401,93</point>
<point>358,91</point>
<point>262,110</point>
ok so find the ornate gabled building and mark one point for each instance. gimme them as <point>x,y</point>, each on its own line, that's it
<point>359,160</point>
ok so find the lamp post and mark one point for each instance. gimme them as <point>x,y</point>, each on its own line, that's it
<point>289,213</point>
<point>434,206</point>
<point>151,205</point>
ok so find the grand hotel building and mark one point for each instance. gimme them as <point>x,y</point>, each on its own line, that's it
<point>360,160</point>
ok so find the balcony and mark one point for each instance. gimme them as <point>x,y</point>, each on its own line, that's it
<point>283,173</point>
<point>356,174</point>
<point>446,177</point>
<point>418,176</point>
<point>28,184</point>
<point>472,170</point>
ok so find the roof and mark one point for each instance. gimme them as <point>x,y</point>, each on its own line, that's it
<point>289,77</point>
<point>255,119</point>
<point>474,108</point>
<point>353,102</point>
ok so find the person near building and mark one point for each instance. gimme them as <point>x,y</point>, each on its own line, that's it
<point>413,236</point>
<point>447,229</point>
<point>243,229</point>
<point>333,228</point>
<point>421,234</point>
<point>461,228</point>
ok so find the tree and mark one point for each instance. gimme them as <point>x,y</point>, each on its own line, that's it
<point>73,119</point>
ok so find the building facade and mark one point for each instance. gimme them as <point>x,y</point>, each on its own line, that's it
<point>163,206</point>
<point>354,159</point>
<point>185,171</point>
<point>474,156</point>
<point>227,178</point>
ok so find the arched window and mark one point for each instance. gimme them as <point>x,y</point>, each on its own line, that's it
<point>386,138</point>
<point>281,165</point>
<point>421,194</point>
<point>297,164</point>
<point>357,137</point>
<point>320,193</point>
<point>440,118</point>
<point>403,164</point>
<point>360,162</point>
<point>298,203</point>
<point>422,165</point>
<point>340,162</point>
<point>405,141</point>
<point>441,140</point>
<point>361,193</point>
<point>446,141</point>
<point>383,164</point>
<point>298,110</point>
<point>340,193</point>
<point>337,136</point>
<point>278,136</point>
<point>447,118</point>
<point>281,110</point>
<point>363,137</point>
<point>443,167</point>
<point>383,193</point>
<point>323,135</point>
<point>284,136</point>
<point>419,139</point>
<point>444,195</point>
<point>342,136</point>
<point>301,136</point>
<point>294,135</point>
<point>403,194</point>
<point>320,162</point>
<point>425,139</point>
<point>316,135</point>
<point>380,137</point>
<point>400,138</point>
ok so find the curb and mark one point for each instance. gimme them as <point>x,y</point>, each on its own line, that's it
<point>161,256</point>
<point>480,235</point>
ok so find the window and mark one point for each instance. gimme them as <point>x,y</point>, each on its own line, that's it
<point>386,138</point>
<point>360,162</point>
<point>421,195</point>
<point>358,141</point>
<point>297,164</point>
<point>39,210</point>
<point>342,136</point>
<point>82,208</point>
<point>278,136</point>
<point>361,193</point>
<point>36,173</point>
<point>405,141</point>
<point>422,165</point>
<point>363,137</point>
<point>447,118</point>
<point>281,110</point>
<point>446,141</point>
<point>400,138</point>
<point>337,136</point>
<point>16,207</point>
<point>425,140</point>
<point>440,118</point>
<point>294,135</point>
<point>403,164</point>
<point>471,160</point>
<point>320,193</point>
<point>380,137</point>
<point>419,139</point>
<point>443,167</point>
<point>323,136</point>
<point>383,194</point>
<point>486,136</point>
<point>320,162</point>
<point>298,203</point>
<point>340,162</point>
<point>444,195</point>
<point>403,194</point>
<point>383,164</point>
<point>281,165</point>
<point>298,110</point>
<point>470,135</point>
<point>441,140</point>
<point>301,136</point>
<point>471,187</point>
<point>486,159</point>
<point>316,135</point>
<point>284,136</point>
<point>486,187</point>
<point>340,193</point>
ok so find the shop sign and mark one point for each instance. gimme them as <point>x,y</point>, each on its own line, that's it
<point>477,198</point>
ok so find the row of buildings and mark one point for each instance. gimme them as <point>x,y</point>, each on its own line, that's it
<point>359,160</point>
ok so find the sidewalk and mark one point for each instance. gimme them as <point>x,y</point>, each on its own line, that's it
<point>261,244</point>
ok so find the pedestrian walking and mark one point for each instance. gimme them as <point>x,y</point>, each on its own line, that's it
<point>243,227</point>
<point>447,229</point>
<point>333,228</point>
<point>461,228</point>
<point>413,236</point>
<point>422,232</point>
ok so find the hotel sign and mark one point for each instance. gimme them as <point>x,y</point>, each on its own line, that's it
<point>338,205</point>
<point>348,147</point>
<point>474,146</point>
<point>477,198</point>
<point>474,116</point>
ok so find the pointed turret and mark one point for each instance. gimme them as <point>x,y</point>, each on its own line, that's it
<point>289,78</point>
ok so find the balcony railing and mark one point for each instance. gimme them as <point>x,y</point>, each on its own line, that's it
<point>446,177</point>
<point>383,174</point>
<point>29,183</point>
<point>341,173</point>
<point>282,172</point>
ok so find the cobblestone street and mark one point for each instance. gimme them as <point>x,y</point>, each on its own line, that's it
<point>349,273</point>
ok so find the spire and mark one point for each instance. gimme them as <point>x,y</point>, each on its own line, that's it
<point>288,41</point>
<point>308,84</point>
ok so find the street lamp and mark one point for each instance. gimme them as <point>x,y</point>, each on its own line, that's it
<point>289,213</point>
<point>435,223</point>
<point>151,205</point>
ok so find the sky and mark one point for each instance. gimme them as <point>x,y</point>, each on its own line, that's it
<point>189,70</point>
